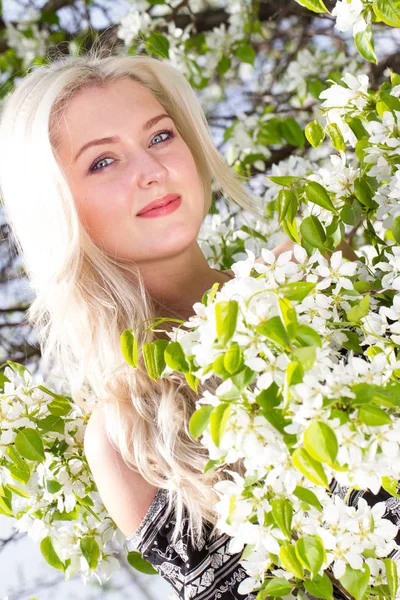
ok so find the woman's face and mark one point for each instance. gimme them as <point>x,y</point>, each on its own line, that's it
<point>111,181</point>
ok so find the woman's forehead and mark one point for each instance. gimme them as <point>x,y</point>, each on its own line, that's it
<point>115,103</point>
<point>123,90</point>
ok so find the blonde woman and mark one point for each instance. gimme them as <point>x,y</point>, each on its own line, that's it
<point>106,168</point>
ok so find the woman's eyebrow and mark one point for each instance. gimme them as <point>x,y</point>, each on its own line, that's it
<point>115,138</point>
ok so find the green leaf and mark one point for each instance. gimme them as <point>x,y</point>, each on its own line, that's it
<point>274,330</point>
<point>90,550</point>
<point>192,380</point>
<point>315,87</point>
<point>290,561</point>
<point>50,555</point>
<point>226,317</point>
<point>307,496</point>
<point>315,133</point>
<point>320,587</point>
<point>218,367</point>
<point>199,420</point>
<point>320,442</point>
<point>353,342</point>
<point>17,490</point>
<point>392,577</point>
<point>351,213</point>
<point>292,132</point>
<point>317,193</point>
<point>224,65</point>
<point>387,11</point>
<point>294,373</point>
<point>310,551</point>
<point>136,560</point>
<point>364,192</point>
<point>307,336</point>
<point>6,506</point>
<point>361,148</point>
<point>175,357</point>
<point>374,416</point>
<point>284,180</point>
<point>51,423</point>
<point>18,368</point>
<point>297,290</point>
<point>337,139</point>
<point>390,485</point>
<point>158,45</point>
<point>129,347</point>
<point>394,78</point>
<point>211,464</point>
<point>243,378</point>
<point>66,516</point>
<point>287,204</point>
<point>85,501</point>
<point>29,444</point>
<point>388,395</point>
<point>60,406</point>
<point>313,232</point>
<point>305,356</point>
<point>154,359</point>
<point>357,127</point>
<point>309,467</point>
<point>269,398</point>
<point>247,551</point>
<point>316,6</point>
<point>364,42</point>
<point>209,295</point>
<point>355,581</point>
<point>289,316</point>
<point>269,132</point>
<point>20,469</point>
<point>245,53</point>
<point>218,421</point>
<point>233,358</point>
<point>53,486</point>
<point>360,310</point>
<point>361,286</point>
<point>290,228</point>
<point>396,228</point>
<point>277,586</point>
<point>282,511</point>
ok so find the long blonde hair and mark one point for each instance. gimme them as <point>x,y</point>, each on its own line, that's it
<point>84,298</point>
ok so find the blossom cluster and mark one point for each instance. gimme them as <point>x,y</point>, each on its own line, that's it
<point>309,392</point>
<point>358,16</point>
<point>46,484</point>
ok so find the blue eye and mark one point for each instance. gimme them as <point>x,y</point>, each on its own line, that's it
<point>93,168</point>
<point>98,162</point>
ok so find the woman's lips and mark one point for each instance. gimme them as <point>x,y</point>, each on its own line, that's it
<point>163,210</point>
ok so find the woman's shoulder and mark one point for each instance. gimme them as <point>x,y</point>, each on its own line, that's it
<point>124,492</point>
<point>229,272</point>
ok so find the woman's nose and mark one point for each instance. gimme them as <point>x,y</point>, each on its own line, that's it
<point>147,169</point>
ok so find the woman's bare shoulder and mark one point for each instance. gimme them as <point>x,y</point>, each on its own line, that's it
<point>124,492</point>
<point>230,273</point>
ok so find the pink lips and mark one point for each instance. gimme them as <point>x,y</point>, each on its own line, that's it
<point>163,206</point>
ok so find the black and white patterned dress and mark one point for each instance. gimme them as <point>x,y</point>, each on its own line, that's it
<point>209,572</point>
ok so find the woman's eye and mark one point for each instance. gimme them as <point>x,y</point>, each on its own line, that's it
<point>168,132</point>
<point>95,167</point>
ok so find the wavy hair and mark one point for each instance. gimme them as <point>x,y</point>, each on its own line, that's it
<point>84,298</point>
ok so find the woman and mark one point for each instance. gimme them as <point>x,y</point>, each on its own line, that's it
<point>118,165</point>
